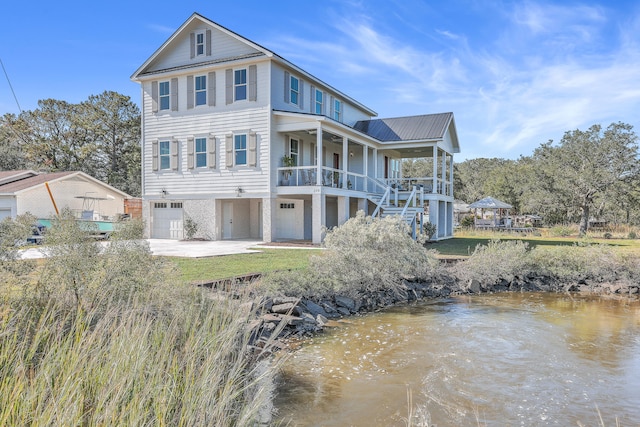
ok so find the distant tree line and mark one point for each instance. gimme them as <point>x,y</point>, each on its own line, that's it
<point>99,136</point>
<point>592,174</point>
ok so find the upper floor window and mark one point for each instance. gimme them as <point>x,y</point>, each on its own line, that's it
<point>201,152</point>
<point>337,110</point>
<point>319,102</point>
<point>295,90</point>
<point>240,84</point>
<point>199,44</point>
<point>294,150</point>
<point>164,95</point>
<point>240,148</point>
<point>164,148</point>
<point>201,90</point>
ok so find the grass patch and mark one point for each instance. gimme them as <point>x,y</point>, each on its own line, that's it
<point>464,243</point>
<point>195,270</point>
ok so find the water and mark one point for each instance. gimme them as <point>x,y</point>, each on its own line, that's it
<point>493,360</point>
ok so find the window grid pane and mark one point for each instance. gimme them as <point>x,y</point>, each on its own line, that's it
<point>201,90</point>
<point>201,152</point>
<point>240,149</point>
<point>165,155</point>
<point>318,102</point>
<point>240,83</point>
<point>164,95</point>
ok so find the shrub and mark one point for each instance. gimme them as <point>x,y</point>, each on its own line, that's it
<point>497,260</point>
<point>632,235</point>
<point>607,235</point>
<point>190,228</point>
<point>561,231</point>
<point>364,254</point>
<point>467,221</point>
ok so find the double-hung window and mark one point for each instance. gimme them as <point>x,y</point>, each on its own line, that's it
<point>199,44</point>
<point>164,148</point>
<point>201,152</point>
<point>240,84</point>
<point>201,90</point>
<point>294,150</point>
<point>294,90</point>
<point>319,102</point>
<point>337,110</point>
<point>164,95</point>
<point>240,149</point>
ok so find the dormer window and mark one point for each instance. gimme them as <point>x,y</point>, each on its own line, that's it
<point>199,44</point>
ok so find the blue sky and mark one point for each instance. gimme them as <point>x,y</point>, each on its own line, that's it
<point>514,73</point>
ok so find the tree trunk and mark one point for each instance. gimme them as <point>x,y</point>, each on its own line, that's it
<point>584,221</point>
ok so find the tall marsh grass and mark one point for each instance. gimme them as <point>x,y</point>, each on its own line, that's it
<point>117,342</point>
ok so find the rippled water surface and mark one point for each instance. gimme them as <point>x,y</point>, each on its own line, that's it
<point>494,360</point>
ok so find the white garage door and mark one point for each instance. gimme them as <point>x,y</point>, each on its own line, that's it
<point>167,220</point>
<point>290,219</point>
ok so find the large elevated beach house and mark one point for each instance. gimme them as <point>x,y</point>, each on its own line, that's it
<point>242,143</point>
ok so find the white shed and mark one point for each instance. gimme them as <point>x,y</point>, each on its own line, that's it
<point>41,193</point>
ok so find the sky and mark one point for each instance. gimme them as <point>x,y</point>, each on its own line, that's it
<point>515,74</point>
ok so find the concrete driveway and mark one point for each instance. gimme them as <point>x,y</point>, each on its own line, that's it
<point>176,248</point>
<point>199,249</point>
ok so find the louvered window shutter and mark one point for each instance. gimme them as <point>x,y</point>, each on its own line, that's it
<point>208,33</point>
<point>192,38</point>
<point>252,155</point>
<point>324,103</point>
<point>211,145</point>
<point>190,153</point>
<point>253,83</point>
<point>174,155</point>
<point>301,94</point>
<point>229,150</point>
<point>154,155</point>
<point>312,98</point>
<point>287,86</point>
<point>174,94</point>
<point>154,96</point>
<point>331,107</point>
<point>228,73</point>
<point>189,92</point>
<point>211,89</point>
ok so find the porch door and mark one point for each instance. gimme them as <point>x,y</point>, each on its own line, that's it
<point>227,220</point>
<point>336,161</point>
<point>386,167</point>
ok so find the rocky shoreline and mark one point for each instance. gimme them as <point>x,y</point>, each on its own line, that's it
<point>291,317</point>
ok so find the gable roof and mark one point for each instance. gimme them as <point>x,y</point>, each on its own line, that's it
<point>142,70</point>
<point>490,203</point>
<point>31,181</point>
<point>410,128</point>
<point>9,176</point>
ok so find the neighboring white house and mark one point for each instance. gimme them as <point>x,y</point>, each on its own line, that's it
<point>219,115</point>
<point>26,191</point>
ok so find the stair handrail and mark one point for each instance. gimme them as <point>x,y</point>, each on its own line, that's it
<point>411,196</point>
<point>384,196</point>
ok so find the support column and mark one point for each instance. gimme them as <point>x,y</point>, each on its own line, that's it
<point>451,175</point>
<point>363,205</point>
<point>343,210</point>
<point>318,215</point>
<point>345,161</point>
<point>319,158</point>
<point>375,163</point>
<point>268,219</point>
<point>434,208</point>
<point>443,172</point>
<point>435,171</point>
<point>365,167</point>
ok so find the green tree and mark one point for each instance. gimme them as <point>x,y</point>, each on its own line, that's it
<point>114,122</point>
<point>587,167</point>
<point>11,154</point>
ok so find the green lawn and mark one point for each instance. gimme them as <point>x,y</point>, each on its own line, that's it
<point>463,243</point>
<point>198,270</point>
<point>194,270</point>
